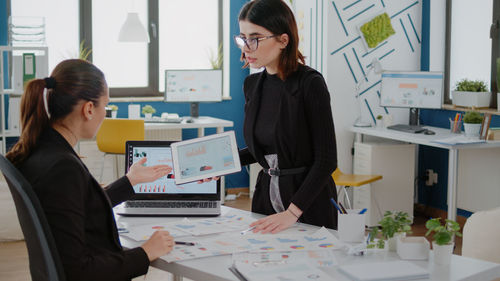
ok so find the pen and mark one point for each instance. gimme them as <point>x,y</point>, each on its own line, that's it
<point>336,206</point>
<point>362,211</point>
<point>247,230</point>
<point>342,207</point>
<point>184,243</point>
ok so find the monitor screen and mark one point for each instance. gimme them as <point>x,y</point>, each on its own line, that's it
<point>411,89</point>
<point>203,85</point>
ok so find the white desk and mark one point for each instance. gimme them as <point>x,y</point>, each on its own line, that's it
<point>216,268</point>
<point>428,140</point>
<point>199,123</point>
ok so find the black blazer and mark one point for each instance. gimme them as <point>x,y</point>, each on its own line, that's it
<point>79,212</point>
<point>305,137</point>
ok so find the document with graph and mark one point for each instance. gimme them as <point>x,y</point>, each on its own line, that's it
<point>205,157</point>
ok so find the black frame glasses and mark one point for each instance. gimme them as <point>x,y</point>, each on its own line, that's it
<point>251,43</point>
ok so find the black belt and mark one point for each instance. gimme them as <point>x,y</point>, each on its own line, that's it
<point>283,172</point>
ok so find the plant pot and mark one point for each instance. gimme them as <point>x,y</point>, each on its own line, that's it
<point>380,123</point>
<point>469,99</point>
<point>472,130</point>
<point>442,253</point>
<point>148,115</point>
<point>114,113</point>
<point>393,241</point>
<point>413,248</point>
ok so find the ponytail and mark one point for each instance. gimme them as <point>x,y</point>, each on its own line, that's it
<point>34,121</point>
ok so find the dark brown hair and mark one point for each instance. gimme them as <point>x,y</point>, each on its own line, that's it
<point>75,80</point>
<point>276,16</point>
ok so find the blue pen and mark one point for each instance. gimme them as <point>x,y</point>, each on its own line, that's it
<point>362,211</point>
<point>336,206</point>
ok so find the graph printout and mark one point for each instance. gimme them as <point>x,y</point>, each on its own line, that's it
<point>205,157</point>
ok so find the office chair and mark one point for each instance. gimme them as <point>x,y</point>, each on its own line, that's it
<point>344,181</point>
<point>113,134</point>
<point>44,261</point>
<point>480,236</point>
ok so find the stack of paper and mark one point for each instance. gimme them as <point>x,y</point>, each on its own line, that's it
<point>384,271</point>
<point>458,140</point>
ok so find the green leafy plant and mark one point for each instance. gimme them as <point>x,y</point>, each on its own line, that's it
<point>466,85</point>
<point>377,30</point>
<point>83,51</point>
<point>442,233</point>
<point>379,117</point>
<point>473,117</point>
<point>148,109</point>
<point>113,107</point>
<point>390,224</point>
<point>216,60</point>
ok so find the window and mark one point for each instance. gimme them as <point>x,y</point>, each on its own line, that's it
<point>470,47</point>
<point>181,37</point>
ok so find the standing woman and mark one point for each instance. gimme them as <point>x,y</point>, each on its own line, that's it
<point>288,123</point>
<point>57,112</point>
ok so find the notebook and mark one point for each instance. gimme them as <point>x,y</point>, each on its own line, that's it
<point>384,271</point>
<point>163,197</point>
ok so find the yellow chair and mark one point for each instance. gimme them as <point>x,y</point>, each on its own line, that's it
<point>113,134</point>
<point>344,181</point>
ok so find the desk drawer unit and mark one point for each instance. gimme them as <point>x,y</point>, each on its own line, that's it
<point>394,192</point>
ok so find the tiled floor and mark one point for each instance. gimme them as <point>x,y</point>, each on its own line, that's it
<point>14,257</point>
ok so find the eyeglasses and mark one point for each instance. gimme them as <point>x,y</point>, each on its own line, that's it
<point>251,43</point>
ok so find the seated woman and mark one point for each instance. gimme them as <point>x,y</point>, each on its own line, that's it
<point>56,112</point>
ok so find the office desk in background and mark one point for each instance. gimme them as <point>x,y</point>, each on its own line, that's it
<point>216,267</point>
<point>173,131</point>
<point>428,140</point>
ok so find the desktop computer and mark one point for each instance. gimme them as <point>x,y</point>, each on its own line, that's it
<point>193,86</point>
<point>414,90</point>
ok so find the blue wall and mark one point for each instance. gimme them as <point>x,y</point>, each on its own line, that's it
<point>430,157</point>
<point>231,109</point>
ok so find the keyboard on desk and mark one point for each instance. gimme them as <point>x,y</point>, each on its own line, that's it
<point>414,129</point>
<point>160,120</point>
<point>170,204</point>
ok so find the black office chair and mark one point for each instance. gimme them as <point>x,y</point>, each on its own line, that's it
<point>44,260</point>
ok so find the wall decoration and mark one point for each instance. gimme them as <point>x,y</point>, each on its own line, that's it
<point>376,30</point>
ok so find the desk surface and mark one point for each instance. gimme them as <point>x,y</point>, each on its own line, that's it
<point>216,268</point>
<point>200,122</point>
<point>421,138</point>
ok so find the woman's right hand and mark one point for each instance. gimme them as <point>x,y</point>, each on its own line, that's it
<point>159,244</point>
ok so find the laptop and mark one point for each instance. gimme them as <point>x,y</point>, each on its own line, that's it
<point>163,197</point>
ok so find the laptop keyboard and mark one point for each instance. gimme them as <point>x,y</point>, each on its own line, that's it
<point>171,204</point>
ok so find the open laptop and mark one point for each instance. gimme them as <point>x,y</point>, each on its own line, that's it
<point>163,197</point>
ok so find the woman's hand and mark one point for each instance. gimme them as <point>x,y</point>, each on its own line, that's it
<point>159,244</point>
<point>139,173</point>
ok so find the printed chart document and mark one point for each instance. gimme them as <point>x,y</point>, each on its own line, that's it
<point>205,157</point>
<point>384,271</point>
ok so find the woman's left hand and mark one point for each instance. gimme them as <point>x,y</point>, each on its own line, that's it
<point>139,173</point>
<point>275,223</point>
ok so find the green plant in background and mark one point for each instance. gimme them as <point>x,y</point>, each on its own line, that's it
<point>148,109</point>
<point>473,117</point>
<point>466,85</point>
<point>442,233</point>
<point>216,60</point>
<point>377,30</point>
<point>390,224</point>
<point>379,117</point>
<point>113,107</point>
<point>84,52</point>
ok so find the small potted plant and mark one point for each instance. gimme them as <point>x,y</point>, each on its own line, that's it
<point>471,93</point>
<point>472,124</point>
<point>442,243</point>
<point>379,121</point>
<point>148,111</point>
<point>393,226</point>
<point>114,110</point>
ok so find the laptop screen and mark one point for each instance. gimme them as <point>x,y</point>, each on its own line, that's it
<point>164,188</point>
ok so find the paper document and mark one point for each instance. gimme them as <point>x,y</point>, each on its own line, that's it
<point>458,140</point>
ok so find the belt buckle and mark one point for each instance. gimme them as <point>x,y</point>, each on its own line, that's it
<point>273,172</point>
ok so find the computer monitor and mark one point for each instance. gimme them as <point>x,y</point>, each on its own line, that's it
<point>414,90</point>
<point>193,86</point>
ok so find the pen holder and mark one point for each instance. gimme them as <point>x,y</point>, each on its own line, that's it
<point>351,226</point>
<point>455,126</point>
